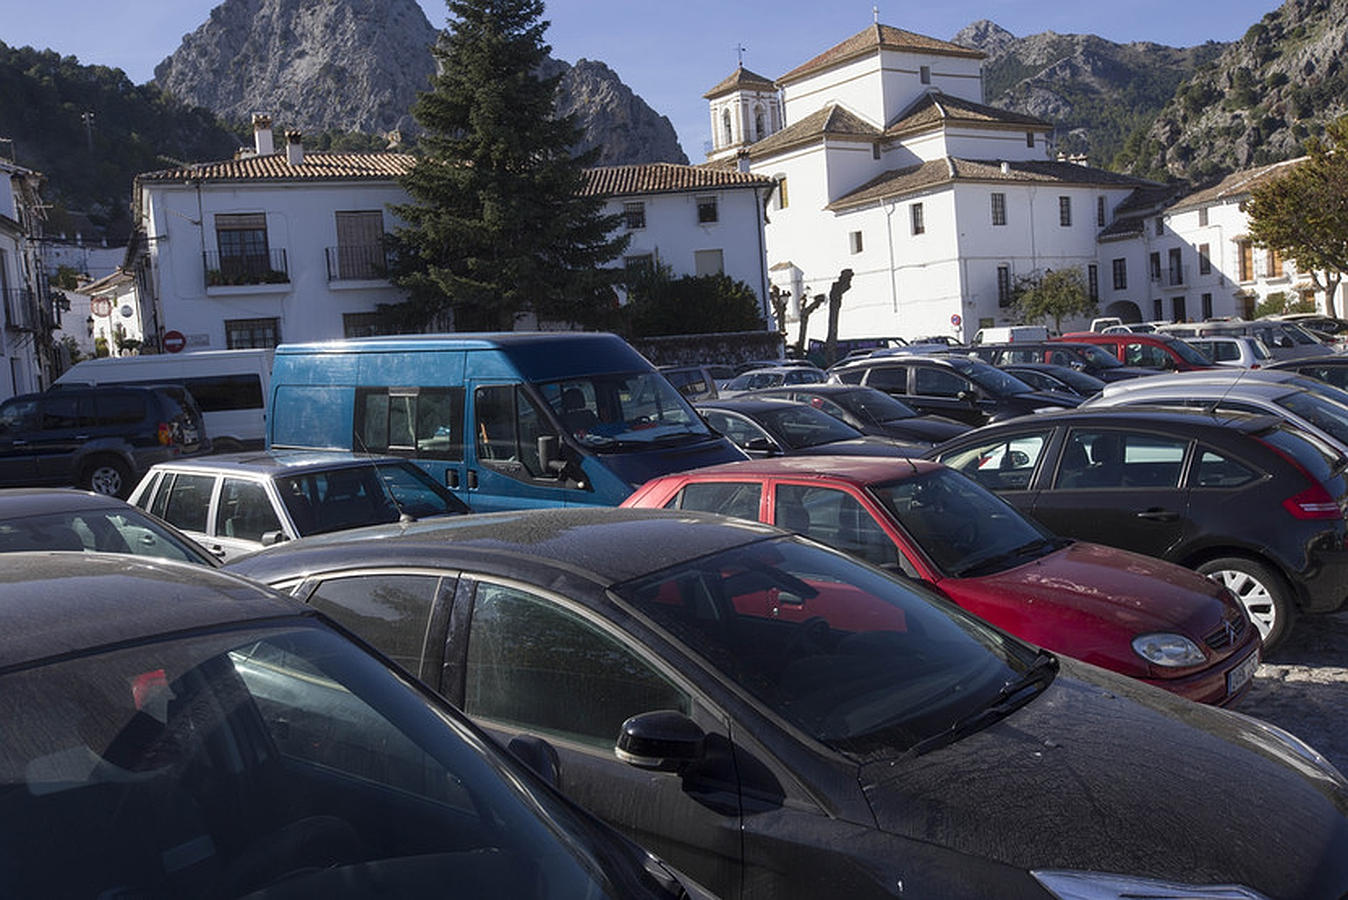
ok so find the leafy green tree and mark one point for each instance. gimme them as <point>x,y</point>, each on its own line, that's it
<point>500,225</point>
<point>659,303</point>
<point>1052,294</point>
<point>1303,213</point>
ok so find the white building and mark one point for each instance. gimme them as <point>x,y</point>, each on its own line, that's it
<point>28,315</point>
<point>105,314</point>
<point>889,164</point>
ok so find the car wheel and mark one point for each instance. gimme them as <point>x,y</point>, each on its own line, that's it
<point>1266,597</point>
<point>109,476</point>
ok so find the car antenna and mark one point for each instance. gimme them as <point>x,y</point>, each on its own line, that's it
<point>1226,393</point>
<point>403,516</point>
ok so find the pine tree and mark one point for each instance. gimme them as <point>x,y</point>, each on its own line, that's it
<point>499,225</point>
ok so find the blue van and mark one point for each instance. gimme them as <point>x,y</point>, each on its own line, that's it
<point>505,421</point>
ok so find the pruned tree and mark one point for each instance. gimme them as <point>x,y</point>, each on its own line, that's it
<point>806,310</point>
<point>1052,294</point>
<point>1303,213</point>
<point>780,301</point>
<point>835,295</point>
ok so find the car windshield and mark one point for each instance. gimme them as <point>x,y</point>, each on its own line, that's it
<point>1098,356</point>
<point>962,527</point>
<point>872,405</point>
<point>100,530</point>
<point>865,662</point>
<point>1079,381</point>
<point>1187,353</point>
<point>992,379</point>
<point>1326,415</point>
<point>229,762</point>
<point>1299,334</point>
<point>637,411</point>
<point>800,426</point>
<point>354,496</point>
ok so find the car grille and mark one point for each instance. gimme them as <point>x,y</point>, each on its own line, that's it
<point>1229,632</point>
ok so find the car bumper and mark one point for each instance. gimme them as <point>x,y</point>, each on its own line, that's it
<point>1213,685</point>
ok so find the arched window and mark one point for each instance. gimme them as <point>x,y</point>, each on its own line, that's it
<point>758,123</point>
<point>725,126</point>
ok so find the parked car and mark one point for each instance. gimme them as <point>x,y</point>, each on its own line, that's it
<point>1285,395</point>
<point>871,412</point>
<point>1237,351</point>
<point>967,390</point>
<point>240,502</point>
<point>1132,328</point>
<point>1009,334</point>
<point>63,519</point>
<point>1048,377</point>
<point>697,382</point>
<point>175,731</point>
<point>1104,606</point>
<point>1084,357</point>
<point>100,439</point>
<point>1284,340</point>
<point>771,426</point>
<point>1316,321</point>
<point>1248,499</point>
<point>751,364</point>
<point>1332,370</point>
<point>773,376</point>
<point>1157,351</point>
<point>779,720</point>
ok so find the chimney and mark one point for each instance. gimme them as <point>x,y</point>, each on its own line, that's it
<point>1006,167</point>
<point>294,149</point>
<point>262,139</point>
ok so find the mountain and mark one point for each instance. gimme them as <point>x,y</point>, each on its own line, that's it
<point>1256,102</point>
<point>357,66</point>
<point>1095,91</point>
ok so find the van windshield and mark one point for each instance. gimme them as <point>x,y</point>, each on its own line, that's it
<point>623,412</point>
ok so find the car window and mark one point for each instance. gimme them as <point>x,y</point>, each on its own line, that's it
<point>804,426</point>
<point>244,511</point>
<point>1119,459</point>
<point>893,379</point>
<point>391,611</point>
<point>1335,375</point>
<point>538,666</point>
<point>1324,414</point>
<point>933,382</point>
<point>1217,470</point>
<point>508,427</point>
<point>1033,354</point>
<point>803,376</point>
<point>1146,355</point>
<point>66,410</point>
<point>836,518</point>
<point>119,408</point>
<point>1004,464</point>
<point>186,502</point>
<point>427,421</point>
<point>855,376</point>
<point>736,427</point>
<point>18,415</point>
<point>738,499</point>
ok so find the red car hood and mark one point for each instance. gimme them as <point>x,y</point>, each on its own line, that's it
<point>1090,601</point>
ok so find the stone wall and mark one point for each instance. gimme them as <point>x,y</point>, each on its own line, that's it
<point>728,348</point>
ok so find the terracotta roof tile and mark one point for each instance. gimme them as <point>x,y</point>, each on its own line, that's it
<point>659,178</point>
<point>877,37</point>
<point>317,166</point>
<point>740,78</point>
<point>831,120</point>
<point>900,182</point>
<point>1237,184</point>
<point>936,108</point>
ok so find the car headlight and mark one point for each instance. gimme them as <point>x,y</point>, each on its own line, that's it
<point>1168,650</point>
<point>1067,884</point>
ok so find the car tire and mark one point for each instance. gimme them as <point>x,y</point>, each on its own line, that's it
<point>1267,598</point>
<point>107,475</point>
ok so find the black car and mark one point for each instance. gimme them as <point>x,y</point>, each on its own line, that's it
<point>1083,357</point>
<point>1247,499</point>
<point>62,519</point>
<point>102,439</point>
<point>1050,377</point>
<point>177,731</point>
<point>957,387</point>
<point>1332,370</point>
<point>870,412</point>
<point>780,720</point>
<point>772,426</point>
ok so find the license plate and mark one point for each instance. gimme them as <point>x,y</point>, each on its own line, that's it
<point>1240,676</point>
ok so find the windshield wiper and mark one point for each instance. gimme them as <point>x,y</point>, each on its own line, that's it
<point>1011,697</point>
<point>991,563</point>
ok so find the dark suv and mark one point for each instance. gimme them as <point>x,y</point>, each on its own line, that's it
<point>968,390</point>
<point>1247,499</point>
<point>1083,357</point>
<point>102,439</point>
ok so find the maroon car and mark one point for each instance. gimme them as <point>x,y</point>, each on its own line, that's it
<point>1153,620</point>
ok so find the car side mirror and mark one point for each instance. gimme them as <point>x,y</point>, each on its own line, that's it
<point>538,755</point>
<point>663,741</point>
<point>271,538</point>
<point>760,445</point>
<point>967,396</point>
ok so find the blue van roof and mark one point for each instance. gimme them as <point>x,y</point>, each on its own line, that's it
<point>536,355</point>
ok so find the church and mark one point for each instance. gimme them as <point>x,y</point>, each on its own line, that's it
<point>887,162</point>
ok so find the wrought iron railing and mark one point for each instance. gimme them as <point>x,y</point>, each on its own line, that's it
<point>358,262</point>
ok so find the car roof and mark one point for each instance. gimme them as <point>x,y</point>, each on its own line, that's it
<point>583,542</point>
<point>782,370</point>
<point>1142,415</point>
<point>1207,389</point>
<point>855,469</point>
<point>1302,361</point>
<point>16,503</point>
<point>277,462</point>
<point>64,603</point>
<point>815,387</point>
<point>1226,376</point>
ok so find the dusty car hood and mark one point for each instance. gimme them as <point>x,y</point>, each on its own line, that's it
<point>1104,773</point>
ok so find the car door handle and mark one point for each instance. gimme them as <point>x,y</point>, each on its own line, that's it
<point>1157,514</point>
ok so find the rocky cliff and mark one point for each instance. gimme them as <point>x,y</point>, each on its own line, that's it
<point>357,65</point>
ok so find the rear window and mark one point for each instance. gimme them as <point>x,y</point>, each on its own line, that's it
<point>1312,453</point>
<point>120,408</point>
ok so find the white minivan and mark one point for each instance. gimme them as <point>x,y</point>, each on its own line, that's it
<point>1010,334</point>
<point>230,386</point>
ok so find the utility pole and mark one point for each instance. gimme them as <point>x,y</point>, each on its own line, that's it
<point>88,119</point>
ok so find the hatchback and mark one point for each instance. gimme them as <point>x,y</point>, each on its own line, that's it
<point>240,502</point>
<point>772,426</point>
<point>780,720</point>
<point>1048,377</point>
<point>1249,500</point>
<point>1332,370</point>
<point>176,731</point>
<point>62,519</point>
<point>775,376</point>
<point>871,412</point>
<point>1237,351</point>
<point>1136,615</point>
<point>101,439</point>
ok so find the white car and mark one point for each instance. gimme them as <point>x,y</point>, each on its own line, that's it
<point>1235,351</point>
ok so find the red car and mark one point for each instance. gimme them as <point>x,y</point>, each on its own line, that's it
<point>1146,351</point>
<point>1155,621</point>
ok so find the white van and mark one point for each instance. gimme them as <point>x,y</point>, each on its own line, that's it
<point>230,386</point>
<point>1010,334</point>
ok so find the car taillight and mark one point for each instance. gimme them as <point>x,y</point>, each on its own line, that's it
<point>165,434</point>
<point>1313,503</point>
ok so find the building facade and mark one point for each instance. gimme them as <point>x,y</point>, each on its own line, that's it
<point>29,316</point>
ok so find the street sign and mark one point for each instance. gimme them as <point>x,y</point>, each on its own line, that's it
<point>955,319</point>
<point>174,341</point>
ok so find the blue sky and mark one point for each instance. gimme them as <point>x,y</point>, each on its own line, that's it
<point>670,53</point>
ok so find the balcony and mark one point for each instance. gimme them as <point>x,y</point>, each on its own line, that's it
<point>364,262</point>
<point>242,271</point>
<point>21,312</point>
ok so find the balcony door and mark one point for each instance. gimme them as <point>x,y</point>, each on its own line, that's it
<point>360,244</point>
